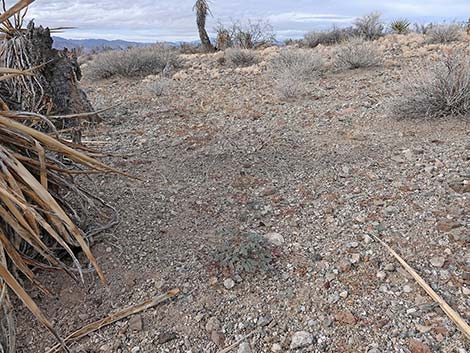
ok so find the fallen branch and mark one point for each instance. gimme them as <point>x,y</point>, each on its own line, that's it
<point>451,313</point>
<point>94,326</point>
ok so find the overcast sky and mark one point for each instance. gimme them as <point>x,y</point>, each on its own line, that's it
<point>171,20</point>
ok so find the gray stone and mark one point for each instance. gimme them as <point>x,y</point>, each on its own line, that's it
<point>437,261</point>
<point>244,348</point>
<point>135,323</point>
<point>274,238</point>
<point>213,324</point>
<point>229,283</point>
<point>301,339</point>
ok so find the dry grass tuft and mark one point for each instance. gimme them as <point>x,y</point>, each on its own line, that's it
<point>440,89</point>
<point>292,69</point>
<point>134,62</point>
<point>444,33</point>
<point>357,53</point>
<point>331,37</point>
<point>241,57</point>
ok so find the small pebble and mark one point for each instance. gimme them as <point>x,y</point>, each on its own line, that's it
<point>229,283</point>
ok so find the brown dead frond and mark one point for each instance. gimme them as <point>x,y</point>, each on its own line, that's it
<point>44,214</point>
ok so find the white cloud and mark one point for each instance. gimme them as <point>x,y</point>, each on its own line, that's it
<point>150,20</point>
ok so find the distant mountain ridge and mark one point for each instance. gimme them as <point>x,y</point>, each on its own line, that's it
<point>90,44</point>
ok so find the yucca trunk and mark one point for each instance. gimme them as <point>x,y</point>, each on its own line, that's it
<point>202,10</point>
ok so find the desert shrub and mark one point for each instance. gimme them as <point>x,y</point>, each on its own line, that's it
<point>247,35</point>
<point>439,89</point>
<point>241,57</point>
<point>294,42</point>
<point>357,53</point>
<point>190,48</point>
<point>287,87</point>
<point>422,28</point>
<point>444,33</point>
<point>291,69</point>
<point>370,26</point>
<point>401,26</point>
<point>301,64</point>
<point>244,252</point>
<point>134,62</point>
<point>334,36</point>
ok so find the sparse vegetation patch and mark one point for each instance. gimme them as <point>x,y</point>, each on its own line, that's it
<point>369,27</point>
<point>440,89</point>
<point>334,36</point>
<point>241,57</point>
<point>357,53</point>
<point>444,33</point>
<point>291,69</point>
<point>244,252</point>
<point>134,62</point>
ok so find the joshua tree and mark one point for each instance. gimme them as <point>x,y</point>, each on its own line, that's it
<point>202,10</point>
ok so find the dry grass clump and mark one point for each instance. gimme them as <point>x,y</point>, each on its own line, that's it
<point>440,89</point>
<point>159,87</point>
<point>134,62</point>
<point>444,33</point>
<point>292,69</point>
<point>331,37</point>
<point>369,27</point>
<point>241,57</point>
<point>357,53</point>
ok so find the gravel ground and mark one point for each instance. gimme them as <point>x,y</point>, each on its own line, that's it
<point>325,172</point>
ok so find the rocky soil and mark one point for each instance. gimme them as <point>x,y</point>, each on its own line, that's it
<point>325,172</point>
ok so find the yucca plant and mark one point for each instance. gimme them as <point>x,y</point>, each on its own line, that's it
<point>38,197</point>
<point>202,11</point>
<point>401,26</point>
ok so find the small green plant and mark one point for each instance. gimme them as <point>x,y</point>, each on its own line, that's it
<point>244,252</point>
<point>401,26</point>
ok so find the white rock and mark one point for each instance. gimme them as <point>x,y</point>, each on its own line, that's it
<point>229,283</point>
<point>136,349</point>
<point>407,289</point>
<point>213,324</point>
<point>276,347</point>
<point>274,238</point>
<point>244,348</point>
<point>301,339</point>
<point>355,258</point>
<point>381,275</point>
<point>437,261</point>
